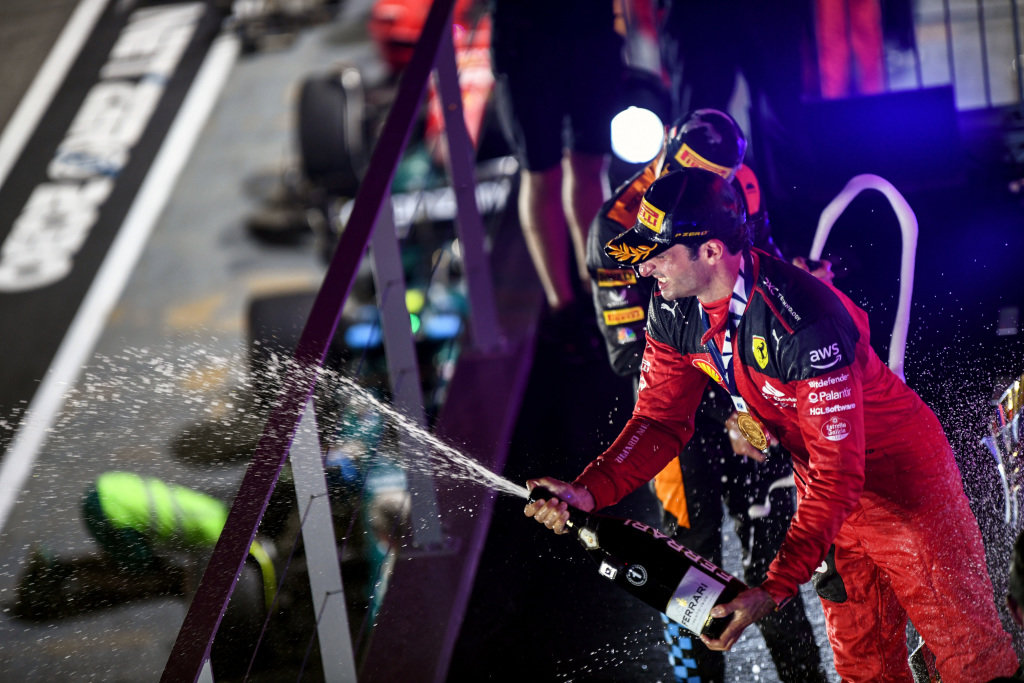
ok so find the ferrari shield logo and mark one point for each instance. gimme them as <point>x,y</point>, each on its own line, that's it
<point>760,351</point>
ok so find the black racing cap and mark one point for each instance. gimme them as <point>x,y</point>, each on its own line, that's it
<point>689,206</point>
<point>708,139</point>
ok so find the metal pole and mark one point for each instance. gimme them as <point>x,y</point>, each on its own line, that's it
<point>403,371</point>
<point>483,319</point>
<point>948,23</point>
<point>983,39</point>
<point>1017,56</point>
<point>321,549</point>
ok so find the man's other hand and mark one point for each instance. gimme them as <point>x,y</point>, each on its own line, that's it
<point>746,608</point>
<point>820,269</point>
<point>554,513</point>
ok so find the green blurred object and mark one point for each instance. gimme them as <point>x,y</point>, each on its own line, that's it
<point>416,170</point>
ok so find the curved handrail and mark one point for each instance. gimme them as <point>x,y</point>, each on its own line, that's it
<point>908,228</point>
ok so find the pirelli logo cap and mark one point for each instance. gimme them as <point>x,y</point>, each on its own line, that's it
<point>688,206</point>
<point>708,139</point>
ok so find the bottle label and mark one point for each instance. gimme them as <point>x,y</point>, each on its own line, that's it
<point>691,603</point>
<point>706,564</point>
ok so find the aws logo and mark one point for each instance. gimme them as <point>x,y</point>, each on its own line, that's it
<point>825,358</point>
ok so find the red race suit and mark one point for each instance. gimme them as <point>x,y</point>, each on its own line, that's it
<point>875,473</point>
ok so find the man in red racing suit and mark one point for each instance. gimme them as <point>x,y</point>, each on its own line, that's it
<point>709,474</point>
<point>875,474</point>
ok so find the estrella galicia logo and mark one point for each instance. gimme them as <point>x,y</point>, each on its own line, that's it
<point>636,574</point>
<point>825,358</point>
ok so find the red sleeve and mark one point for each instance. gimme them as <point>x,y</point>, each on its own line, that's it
<point>662,423</point>
<point>831,419</point>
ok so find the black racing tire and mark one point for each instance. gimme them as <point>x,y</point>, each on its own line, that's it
<point>330,126</point>
<point>275,323</point>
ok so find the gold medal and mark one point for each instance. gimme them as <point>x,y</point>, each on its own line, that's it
<point>753,431</point>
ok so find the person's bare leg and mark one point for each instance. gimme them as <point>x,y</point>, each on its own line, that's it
<point>586,189</point>
<point>833,44</point>
<point>544,227</point>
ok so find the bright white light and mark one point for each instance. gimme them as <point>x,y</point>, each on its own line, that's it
<point>637,135</point>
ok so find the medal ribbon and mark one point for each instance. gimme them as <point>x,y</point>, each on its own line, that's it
<point>751,428</point>
<point>737,304</point>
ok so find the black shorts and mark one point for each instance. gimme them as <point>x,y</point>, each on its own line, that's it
<point>557,66</point>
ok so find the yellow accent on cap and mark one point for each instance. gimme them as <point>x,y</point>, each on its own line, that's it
<point>650,216</point>
<point>690,159</point>
<point>623,253</point>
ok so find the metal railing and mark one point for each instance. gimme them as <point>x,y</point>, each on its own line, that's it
<point>973,45</point>
<point>433,52</point>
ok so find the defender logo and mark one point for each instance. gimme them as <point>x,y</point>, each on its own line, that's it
<point>823,382</point>
<point>760,351</point>
<point>820,358</point>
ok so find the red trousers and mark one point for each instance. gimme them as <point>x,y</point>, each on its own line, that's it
<point>849,37</point>
<point>921,557</point>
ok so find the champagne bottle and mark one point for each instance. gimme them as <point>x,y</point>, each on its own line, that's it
<point>651,566</point>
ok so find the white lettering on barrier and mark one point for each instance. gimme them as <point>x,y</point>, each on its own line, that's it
<point>58,216</point>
